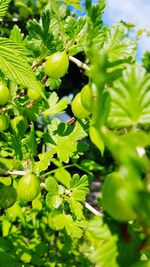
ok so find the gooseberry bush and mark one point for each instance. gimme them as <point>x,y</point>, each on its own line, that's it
<point>74,139</point>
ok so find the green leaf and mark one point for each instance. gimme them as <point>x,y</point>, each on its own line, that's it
<point>130,103</point>
<point>45,159</point>
<point>31,142</point>
<point>75,29</point>
<point>17,146</point>
<point>53,200</point>
<point>40,30</point>
<point>136,139</point>
<point>61,221</point>
<point>55,221</point>
<point>63,176</point>
<point>53,83</point>
<point>35,29</point>
<point>65,148</point>
<point>96,138</point>
<point>74,3</point>
<point>66,141</point>
<point>76,208</point>
<point>45,17</point>
<point>95,26</point>
<point>51,185</point>
<point>117,44</point>
<point>13,62</point>
<point>16,36</point>
<point>79,187</point>
<point>71,227</point>
<point>9,259</point>
<point>56,107</point>
<point>125,152</point>
<point>146,61</point>
<point>3,7</point>
<point>104,243</point>
<point>142,207</point>
<point>78,132</point>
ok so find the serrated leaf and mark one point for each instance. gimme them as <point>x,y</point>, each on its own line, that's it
<point>104,243</point>
<point>78,132</point>
<point>65,221</point>
<point>76,207</point>
<point>40,30</point>
<point>31,142</point>
<point>16,36</point>
<point>75,29</point>
<point>130,104</point>
<point>45,159</point>
<point>79,186</point>
<point>58,108</point>
<point>3,7</point>
<point>35,29</point>
<point>63,176</point>
<point>117,44</point>
<point>65,145</point>
<point>53,201</point>
<point>45,17</point>
<point>65,148</point>
<point>53,83</point>
<point>53,126</point>
<point>71,227</point>
<point>79,182</point>
<point>17,146</point>
<point>96,31</point>
<point>13,62</point>
<point>79,195</point>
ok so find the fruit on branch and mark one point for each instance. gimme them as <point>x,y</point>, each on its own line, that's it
<point>33,94</point>
<point>28,187</point>
<point>4,93</point>
<point>4,122</point>
<point>118,197</point>
<point>57,65</point>
<point>8,196</point>
<point>86,98</point>
<point>77,108</point>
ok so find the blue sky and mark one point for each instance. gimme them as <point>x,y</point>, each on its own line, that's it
<point>133,11</point>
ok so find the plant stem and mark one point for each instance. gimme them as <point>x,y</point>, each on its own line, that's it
<point>93,210</point>
<point>82,169</point>
<point>79,63</point>
<point>52,171</point>
<point>21,173</point>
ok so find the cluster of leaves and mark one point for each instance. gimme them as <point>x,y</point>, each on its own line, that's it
<point>55,228</point>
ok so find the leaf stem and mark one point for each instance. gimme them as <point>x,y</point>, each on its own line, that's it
<point>79,63</point>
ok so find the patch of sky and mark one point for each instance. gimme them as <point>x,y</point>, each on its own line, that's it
<point>135,12</point>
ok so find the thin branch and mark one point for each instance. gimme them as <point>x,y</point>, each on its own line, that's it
<point>93,210</point>
<point>21,173</point>
<point>44,79</point>
<point>79,63</point>
<point>52,171</point>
